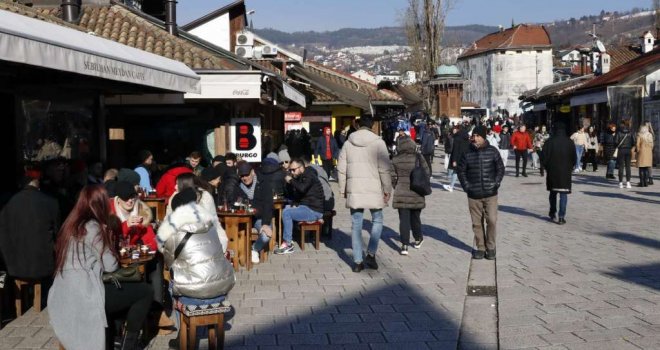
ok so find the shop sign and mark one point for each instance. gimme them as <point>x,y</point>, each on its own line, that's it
<point>292,116</point>
<point>246,138</point>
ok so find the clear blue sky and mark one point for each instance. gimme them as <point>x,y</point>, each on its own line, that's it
<point>321,15</point>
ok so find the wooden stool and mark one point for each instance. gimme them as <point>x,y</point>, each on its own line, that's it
<point>193,316</point>
<point>310,226</point>
<point>19,285</point>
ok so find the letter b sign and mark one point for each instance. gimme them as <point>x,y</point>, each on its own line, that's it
<point>245,139</point>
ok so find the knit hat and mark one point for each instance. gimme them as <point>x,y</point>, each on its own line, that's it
<point>244,168</point>
<point>184,197</point>
<point>283,155</point>
<point>497,128</point>
<point>210,173</point>
<point>480,130</point>
<point>220,159</point>
<point>128,175</point>
<point>273,155</point>
<point>125,190</point>
<point>143,155</point>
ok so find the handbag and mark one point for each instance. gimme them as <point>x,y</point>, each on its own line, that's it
<point>124,274</point>
<point>616,150</point>
<point>420,182</point>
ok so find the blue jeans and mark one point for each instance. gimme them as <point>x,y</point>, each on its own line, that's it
<point>357,216</point>
<point>563,200</point>
<point>452,177</point>
<point>611,164</point>
<point>263,240</point>
<point>299,213</point>
<point>579,151</point>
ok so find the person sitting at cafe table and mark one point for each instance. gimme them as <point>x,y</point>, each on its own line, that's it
<point>231,160</point>
<point>79,300</point>
<point>217,160</point>
<point>211,180</point>
<point>135,216</point>
<point>144,169</point>
<point>259,192</point>
<point>306,192</point>
<point>167,183</point>
<point>201,275</point>
<point>195,162</point>
<point>204,199</point>
<point>271,167</point>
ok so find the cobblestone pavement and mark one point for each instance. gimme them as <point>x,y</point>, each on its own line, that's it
<point>593,283</point>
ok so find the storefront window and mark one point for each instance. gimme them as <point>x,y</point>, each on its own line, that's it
<point>57,128</point>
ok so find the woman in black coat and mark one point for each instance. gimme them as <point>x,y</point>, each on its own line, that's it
<point>407,201</point>
<point>609,146</point>
<point>559,158</point>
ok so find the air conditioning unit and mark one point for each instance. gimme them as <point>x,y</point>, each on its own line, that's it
<point>258,53</point>
<point>245,38</point>
<point>268,50</point>
<point>244,51</point>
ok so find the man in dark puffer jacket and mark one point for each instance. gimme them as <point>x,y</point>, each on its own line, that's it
<point>480,172</point>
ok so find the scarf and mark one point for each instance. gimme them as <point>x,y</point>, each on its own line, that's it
<point>249,191</point>
<point>328,151</point>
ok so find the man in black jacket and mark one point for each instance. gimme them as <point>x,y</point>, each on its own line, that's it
<point>480,172</point>
<point>28,225</point>
<point>559,160</point>
<point>259,191</point>
<point>307,194</point>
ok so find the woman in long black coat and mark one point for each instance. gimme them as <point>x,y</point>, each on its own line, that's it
<point>559,160</point>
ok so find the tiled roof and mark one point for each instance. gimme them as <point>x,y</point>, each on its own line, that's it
<point>519,37</point>
<point>631,70</point>
<point>351,82</point>
<point>557,89</point>
<point>117,23</point>
<point>620,55</point>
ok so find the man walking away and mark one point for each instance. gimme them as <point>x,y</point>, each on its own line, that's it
<point>522,144</point>
<point>505,142</point>
<point>428,147</point>
<point>481,171</point>
<point>461,146</point>
<point>559,158</point>
<point>365,181</point>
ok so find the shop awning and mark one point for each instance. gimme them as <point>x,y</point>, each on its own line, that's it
<point>236,85</point>
<point>589,99</point>
<point>34,42</point>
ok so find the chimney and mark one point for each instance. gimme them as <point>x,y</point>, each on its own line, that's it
<point>583,65</point>
<point>71,10</point>
<point>170,17</point>
<point>648,41</point>
<point>604,63</point>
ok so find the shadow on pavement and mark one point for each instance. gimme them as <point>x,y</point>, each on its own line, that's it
<point>443,236</point>
<point>521,211</point>
<point>635,239</point>
<point>621,196</point>
<point>645,275</point>
<point>654,194</point>
<point>386,314</point>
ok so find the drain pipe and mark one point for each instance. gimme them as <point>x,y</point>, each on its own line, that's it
<point>170,17</point>
<point>71,10</point>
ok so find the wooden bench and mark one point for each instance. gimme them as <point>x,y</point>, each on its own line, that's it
<point>211,316</point>
<point>21,288</point>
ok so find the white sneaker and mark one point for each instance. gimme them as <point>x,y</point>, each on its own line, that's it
<point>620,184</point>
<point>255,257</point>
<point>628,185</point>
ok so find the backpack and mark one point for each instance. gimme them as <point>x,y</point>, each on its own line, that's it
<point>420,182</point>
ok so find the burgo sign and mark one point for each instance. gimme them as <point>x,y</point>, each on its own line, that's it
<point>246,138</point>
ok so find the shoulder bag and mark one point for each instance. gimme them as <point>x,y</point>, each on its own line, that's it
<point>616,150</point>
<point>420,182</point>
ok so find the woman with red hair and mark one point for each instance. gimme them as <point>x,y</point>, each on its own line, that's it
<point>79,300</point>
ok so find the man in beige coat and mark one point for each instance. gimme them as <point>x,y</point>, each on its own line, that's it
<point>365,182</point>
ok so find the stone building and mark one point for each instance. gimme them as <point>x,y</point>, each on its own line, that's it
<point>504,64</point>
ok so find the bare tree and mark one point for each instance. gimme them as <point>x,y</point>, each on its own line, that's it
<point>425,24</point>
<point>656,8</point>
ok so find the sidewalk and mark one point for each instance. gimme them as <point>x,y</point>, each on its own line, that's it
<point>593,283</point>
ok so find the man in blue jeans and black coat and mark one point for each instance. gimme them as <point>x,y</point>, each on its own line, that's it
<point>306,193</point>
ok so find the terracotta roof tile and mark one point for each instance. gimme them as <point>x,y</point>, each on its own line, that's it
<point>520,36</point>
<point>620,55</point>
<point>632,69</point>
<point>119,24</point>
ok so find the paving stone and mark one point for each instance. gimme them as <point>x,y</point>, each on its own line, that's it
<point>561,338</point>
<point>521,342</point>
<point>603,345</point>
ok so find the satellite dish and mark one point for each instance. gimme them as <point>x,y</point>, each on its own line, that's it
<point>600,46</point>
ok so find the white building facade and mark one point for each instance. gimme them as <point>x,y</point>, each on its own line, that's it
<point>503,65</point>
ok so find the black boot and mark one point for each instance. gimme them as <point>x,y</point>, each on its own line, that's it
<point>130,341</point>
